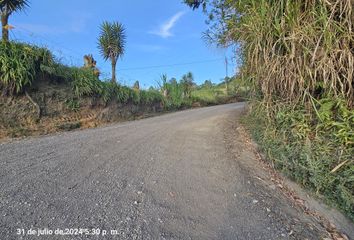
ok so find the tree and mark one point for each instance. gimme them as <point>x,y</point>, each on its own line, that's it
<point>7,7</point>
<point>195,3</point>
<point>112,41</point>
<point>207,84</point>
<point>173,81</point>
<point>187,83</point>
<point>136,85</point>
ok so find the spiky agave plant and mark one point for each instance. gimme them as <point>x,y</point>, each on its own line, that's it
<point>7,7</point>
<point>111,43</point>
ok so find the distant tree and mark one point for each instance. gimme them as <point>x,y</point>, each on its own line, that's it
<point>7,7</point>
<point>207,84</point>
<point>136,85</point>
<point>173,81</point>
<point>187,83</point>
<point>112,41</point>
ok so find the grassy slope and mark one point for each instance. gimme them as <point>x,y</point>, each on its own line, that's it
<point>314,155</point>
<point>63,110</point>
<point>40,95</point>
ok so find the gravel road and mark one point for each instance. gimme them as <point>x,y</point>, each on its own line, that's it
<point>184,175</point>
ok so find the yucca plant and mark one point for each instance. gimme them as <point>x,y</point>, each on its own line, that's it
<point>111,43</point>
<point>7,7</point>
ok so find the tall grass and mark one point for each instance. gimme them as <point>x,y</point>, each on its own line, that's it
<point>85,82</point>
<point>174,98</point>
<point>22,65</point>
<point>19,65</point>
<point>299,59</point>
<point>315,149</point>
<point>300,56</point>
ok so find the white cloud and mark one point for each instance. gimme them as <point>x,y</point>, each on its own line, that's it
<point>165,29</point>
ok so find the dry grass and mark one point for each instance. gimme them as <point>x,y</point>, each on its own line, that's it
<point>299,57</point>
<point>294,49</point>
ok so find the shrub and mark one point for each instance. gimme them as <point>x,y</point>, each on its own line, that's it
<point>136,96</point>
<point>72,104</point>
<point>58,70</point>
<point>314,149</point>
<point>174,100</point>
<point>19,65</point>
<point>107,91</point>
<point>298,57</point>
<point>124,94</point>
<point>150,97</point>
<point>85,82</point>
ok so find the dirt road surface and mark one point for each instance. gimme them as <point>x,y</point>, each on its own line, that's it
<point>184,175</point>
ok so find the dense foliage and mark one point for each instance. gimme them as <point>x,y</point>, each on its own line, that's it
<point>111,43</point>
<point>20,64</point>
<point>298,56</point>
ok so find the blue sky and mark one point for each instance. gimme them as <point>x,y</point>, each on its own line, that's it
<point>159,33</point>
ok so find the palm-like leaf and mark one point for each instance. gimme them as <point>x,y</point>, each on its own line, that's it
<point>111,43</point>
<point>112,40</point>
<point>9,6</point>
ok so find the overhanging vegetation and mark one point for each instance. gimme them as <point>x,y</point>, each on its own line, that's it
<point>298,57</point>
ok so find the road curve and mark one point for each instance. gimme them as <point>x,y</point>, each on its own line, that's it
<point>184,175</point>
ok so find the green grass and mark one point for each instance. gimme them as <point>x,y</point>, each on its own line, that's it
<point>296,57</point>
<point>314,151</point>
<point>218,94</point>
<point>20,64</point>
<point>208,96</point>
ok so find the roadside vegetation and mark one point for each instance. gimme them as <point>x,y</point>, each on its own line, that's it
<point>39,94</point>
<point>28,72</point>
<point>297,56</point>
<point>24,65</point>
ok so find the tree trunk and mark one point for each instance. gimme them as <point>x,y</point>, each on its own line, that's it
<point>5,30</point>
<point>38,108</point>
<point>114,63</point>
